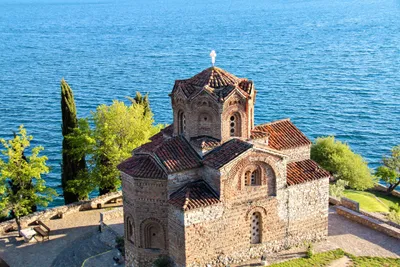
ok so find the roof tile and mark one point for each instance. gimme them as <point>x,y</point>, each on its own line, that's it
<point>211,79</point>
<point>304,171</point>
<point>144,166</point>
<point>283,135</point>
<point>223,154</point>
<point>194,195</point>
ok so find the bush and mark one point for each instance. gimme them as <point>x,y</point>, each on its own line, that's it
<point>120,244</point>
<point>394,213</point>
<point>163,261</point>
<point>310,250</point>
<point>337,189</point>
<point>337,158</point>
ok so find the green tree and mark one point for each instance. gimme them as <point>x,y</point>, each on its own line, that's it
<point>390,169</point>
<point>21,184</point>
<point>142,100</point>
<point>71,167</point>
<point>337,158</point>
<point>117,130</point>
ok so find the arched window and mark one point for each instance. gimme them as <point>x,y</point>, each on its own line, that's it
<point>181,122</point>
<point>252,177</point>
<point>234,125</point>
<point>255,228</point>
<point>130,235</point>
<point>153,236</point>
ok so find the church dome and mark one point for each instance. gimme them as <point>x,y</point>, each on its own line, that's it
<point>216,81</point>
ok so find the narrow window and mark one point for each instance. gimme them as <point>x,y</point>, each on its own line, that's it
<point>232,125</point>
<point>256,177</point>
<point>255,228</point>
<point>235,125</point>
<point>181,122</point>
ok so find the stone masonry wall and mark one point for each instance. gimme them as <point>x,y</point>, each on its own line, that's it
<point>308,205</point>
<point>298,154</point>
<point>179,179</point>
<point>220,234</point>
<point>176,236</point>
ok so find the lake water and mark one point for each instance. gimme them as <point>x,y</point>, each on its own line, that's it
<point>333,67</point>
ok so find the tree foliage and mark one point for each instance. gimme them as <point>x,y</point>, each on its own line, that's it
<point>390,169</point>
<point>21,184</point>
<point>71,167</point>
<point>117,130</point>
<point>337,158</point>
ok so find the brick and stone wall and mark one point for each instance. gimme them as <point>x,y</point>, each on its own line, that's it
<point>298,153</point>
<point>145,204</point>
<point>308,205</point>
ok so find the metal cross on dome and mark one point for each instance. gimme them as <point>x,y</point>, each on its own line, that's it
<point>213,55</point>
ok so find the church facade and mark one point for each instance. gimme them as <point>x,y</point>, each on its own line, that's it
<point>213,189</point>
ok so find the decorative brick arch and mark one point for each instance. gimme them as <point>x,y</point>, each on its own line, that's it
<point>268,176</point>
<point>259,209</point>
<point>152,234</point>
<point>239,113</point>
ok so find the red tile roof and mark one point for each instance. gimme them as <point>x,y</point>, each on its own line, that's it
<point>144,166</point>
<point>213,78</point>
<point>258,134</point>
<point>194,195</point>
<point>283,135</point>
<point>223,154</point>
<point>304,171</point>
<point>172,153</point>
<point>177,155</point>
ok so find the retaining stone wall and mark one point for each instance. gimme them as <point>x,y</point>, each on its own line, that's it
<point>369,222</point>
<point>58,211</point>
<point>382,188</point>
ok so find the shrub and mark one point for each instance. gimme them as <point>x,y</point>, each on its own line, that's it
<point>337,158</point>
<point>120,244</point>
<point>163,261</point>
<point>310,250</point>
<point>337,189</point>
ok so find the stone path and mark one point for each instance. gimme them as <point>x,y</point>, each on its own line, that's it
<point>81,249</point>
<point>71,231</point>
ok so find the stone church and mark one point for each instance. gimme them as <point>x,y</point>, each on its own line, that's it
<point>213,189</point>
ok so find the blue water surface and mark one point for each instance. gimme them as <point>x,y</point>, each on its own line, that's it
<point>333,67</point>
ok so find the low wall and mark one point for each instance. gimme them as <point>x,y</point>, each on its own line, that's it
<point>368,221</point>
<point>383,188</point>
<point>108,234</point>
<point>59,211</point>
<point>350,204</point>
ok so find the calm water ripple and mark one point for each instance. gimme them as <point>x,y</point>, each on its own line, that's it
<point>332,66</point>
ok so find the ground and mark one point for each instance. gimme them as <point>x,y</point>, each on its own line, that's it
<point>374,201</point>
<point>75,238</point>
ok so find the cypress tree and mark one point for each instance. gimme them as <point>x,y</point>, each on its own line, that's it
<point>71,167</point>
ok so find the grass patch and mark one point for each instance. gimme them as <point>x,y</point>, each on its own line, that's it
<point>368,200</point>
<point>325,258</point>
<point>319,259</point>
<point>373,261</point>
